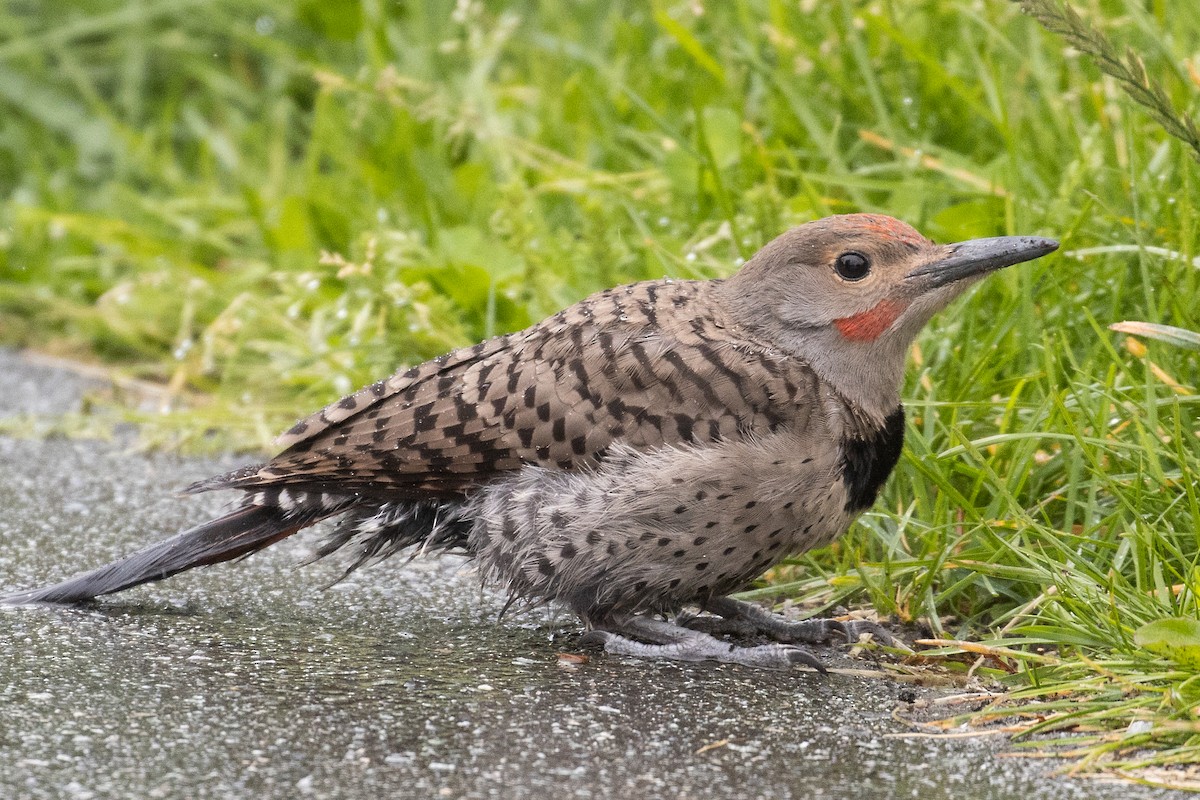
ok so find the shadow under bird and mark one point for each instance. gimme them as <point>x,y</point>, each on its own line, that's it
<point>650,449</point>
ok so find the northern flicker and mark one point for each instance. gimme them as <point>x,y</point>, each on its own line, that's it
<point>650,449</point>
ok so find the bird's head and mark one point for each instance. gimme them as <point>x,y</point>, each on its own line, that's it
<point>850,293</point>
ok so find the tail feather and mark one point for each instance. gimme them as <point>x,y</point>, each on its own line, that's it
<point>239,533</point>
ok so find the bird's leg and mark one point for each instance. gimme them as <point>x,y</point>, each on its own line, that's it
<point>719,626</point>
<point>740,617</point>
<point>675,643</point>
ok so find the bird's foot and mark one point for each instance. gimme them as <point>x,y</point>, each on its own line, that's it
<point>672,642</point>
<point>739,618</point>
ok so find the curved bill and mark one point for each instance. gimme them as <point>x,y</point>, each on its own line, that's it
<point>980,256</point>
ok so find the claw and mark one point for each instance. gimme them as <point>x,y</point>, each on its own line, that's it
<point>798,655</point>
<point>856,628</point>
<point>837,626</point>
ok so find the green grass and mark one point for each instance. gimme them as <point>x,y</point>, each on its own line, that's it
<point>264,205</point>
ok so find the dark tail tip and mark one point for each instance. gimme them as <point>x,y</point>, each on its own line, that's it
<point>239,533</point>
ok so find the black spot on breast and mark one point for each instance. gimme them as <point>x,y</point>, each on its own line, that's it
<point>866,463</point>
<point>509,529</point>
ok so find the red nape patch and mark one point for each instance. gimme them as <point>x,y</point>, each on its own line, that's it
<point>866,326</point>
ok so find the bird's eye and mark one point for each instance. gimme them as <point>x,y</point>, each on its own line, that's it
<point>853,266</point>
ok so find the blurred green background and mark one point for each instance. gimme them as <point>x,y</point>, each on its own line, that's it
<point>280,201</point>
<point>263,205</point>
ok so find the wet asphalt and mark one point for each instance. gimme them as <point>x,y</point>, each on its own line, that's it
<point>252,680</point>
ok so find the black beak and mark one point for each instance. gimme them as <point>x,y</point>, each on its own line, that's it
<point>980,256</point>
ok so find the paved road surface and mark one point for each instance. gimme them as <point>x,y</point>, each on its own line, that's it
<point>249,680</point>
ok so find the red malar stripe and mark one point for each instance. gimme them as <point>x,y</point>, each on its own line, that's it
<point>866,326</point>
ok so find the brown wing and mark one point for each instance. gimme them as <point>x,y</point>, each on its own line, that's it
<point>646,365</point>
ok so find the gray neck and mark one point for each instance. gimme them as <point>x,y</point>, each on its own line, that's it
<point>868,376</point>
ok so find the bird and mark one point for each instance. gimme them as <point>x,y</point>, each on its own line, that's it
<point>637,457</point>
